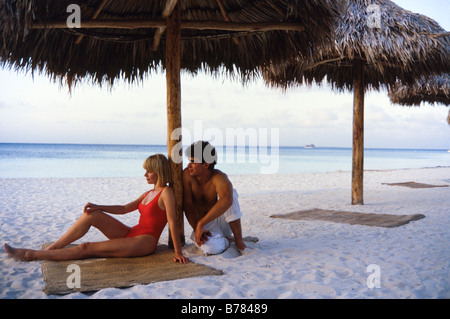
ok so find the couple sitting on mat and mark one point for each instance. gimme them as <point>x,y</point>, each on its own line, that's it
<point>210,205</point>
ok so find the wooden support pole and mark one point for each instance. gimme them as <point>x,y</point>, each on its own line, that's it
<point>157,38</point>
<point>168,8</point>
<point>195,25</point>
<point>358,134</point>
<point>173,67</point>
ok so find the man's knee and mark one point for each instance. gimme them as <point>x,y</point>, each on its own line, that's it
<point>215,245</point>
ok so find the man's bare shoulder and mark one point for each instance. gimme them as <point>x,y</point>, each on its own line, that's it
<point>220,177</point>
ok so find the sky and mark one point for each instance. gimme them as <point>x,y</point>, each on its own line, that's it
<point>37,110</point>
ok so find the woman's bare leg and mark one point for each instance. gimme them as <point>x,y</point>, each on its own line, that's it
<point>120,247</point>
<point>109,226</point>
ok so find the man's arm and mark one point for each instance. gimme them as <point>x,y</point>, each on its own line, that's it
<point>224,190</point>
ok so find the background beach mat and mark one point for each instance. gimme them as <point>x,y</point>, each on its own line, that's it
<point>99,273</point>
<point>414,185</point>
<point>352,218</point>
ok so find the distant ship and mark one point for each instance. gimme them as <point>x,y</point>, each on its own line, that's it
<point>310,146</point>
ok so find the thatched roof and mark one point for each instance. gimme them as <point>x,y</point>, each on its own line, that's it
<point>403,46</point>
<point>105,54</point>
<point>435,89</point>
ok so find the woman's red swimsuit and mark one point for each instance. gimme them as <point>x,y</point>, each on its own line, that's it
<point>152,221</point>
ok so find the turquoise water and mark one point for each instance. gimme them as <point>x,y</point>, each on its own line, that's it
<point>87,160</point>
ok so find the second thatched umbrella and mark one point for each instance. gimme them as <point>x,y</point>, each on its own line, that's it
<point>432,90</point>
<point>377,43</point>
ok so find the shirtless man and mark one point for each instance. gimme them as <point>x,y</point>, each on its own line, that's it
<point>210,202</point>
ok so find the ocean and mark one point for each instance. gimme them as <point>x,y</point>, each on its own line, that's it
<point>89,160</point>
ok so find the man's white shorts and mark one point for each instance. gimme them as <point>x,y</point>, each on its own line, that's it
<point>220,229</point>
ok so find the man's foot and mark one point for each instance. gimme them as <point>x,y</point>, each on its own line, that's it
<point>250,239</point>
<point>240,244</point>
<point>16,253</point>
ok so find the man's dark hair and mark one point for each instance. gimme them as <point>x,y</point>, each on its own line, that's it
<point>202,152</point>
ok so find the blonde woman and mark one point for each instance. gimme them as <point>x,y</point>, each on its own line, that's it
<point>156,208</point>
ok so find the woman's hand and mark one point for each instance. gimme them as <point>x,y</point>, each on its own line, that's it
<point>181,259</point>
<point>89,208</point>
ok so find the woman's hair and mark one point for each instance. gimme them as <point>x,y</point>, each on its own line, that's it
<point>160,165</point>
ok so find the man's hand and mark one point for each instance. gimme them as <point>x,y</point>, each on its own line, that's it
<point>201,236</point>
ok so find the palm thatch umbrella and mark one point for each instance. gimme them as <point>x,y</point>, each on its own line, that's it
<point>376,44</point>
<point>435,89</point>
<point>128,39</point>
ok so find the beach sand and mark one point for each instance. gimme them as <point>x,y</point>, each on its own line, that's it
<point>293,259</point>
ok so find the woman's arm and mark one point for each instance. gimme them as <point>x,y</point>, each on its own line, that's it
<point>114,209</point>
<point>168,198</point>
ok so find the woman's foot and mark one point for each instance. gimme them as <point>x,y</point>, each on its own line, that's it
<point>17,253</point>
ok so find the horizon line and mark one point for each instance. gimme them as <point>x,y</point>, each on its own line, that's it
<point>218,145</point>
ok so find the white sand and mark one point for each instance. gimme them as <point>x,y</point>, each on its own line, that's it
<point>293,259</point>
